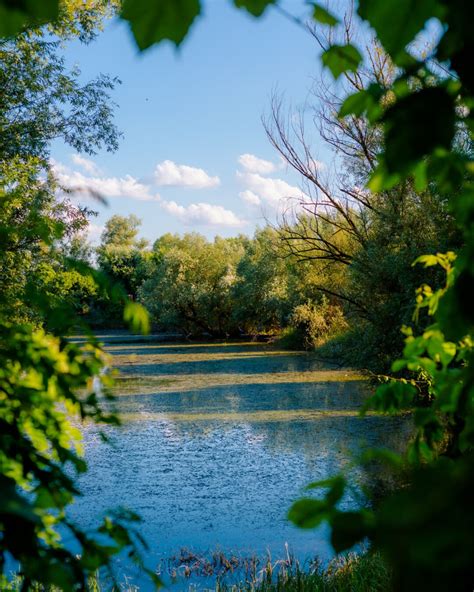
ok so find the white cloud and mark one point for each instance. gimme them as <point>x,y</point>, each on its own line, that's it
<point>253,164</point>
<point>126,186</point>
<point>250,197</point>
<point>86,164</point>
<point>170,173</point>
<point>271,191</point>
<point>94,232</point>
<point>317,165</point>
<point>202,213</point>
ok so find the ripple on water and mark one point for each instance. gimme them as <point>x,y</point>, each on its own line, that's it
<point>218,462</point>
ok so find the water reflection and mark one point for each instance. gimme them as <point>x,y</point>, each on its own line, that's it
<point>218,465</point>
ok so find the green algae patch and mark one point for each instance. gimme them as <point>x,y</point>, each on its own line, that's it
<point>273,415</point>
<point>130,384</point>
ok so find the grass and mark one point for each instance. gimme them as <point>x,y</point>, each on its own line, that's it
<point>349,573</point>
<point>366,572</point>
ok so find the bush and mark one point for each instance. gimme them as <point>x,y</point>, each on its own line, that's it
<point>313,324</point>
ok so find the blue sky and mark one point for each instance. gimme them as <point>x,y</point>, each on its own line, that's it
<point>196,108</point>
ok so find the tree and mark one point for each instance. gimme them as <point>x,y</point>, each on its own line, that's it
<point>366,239</point>
<point>190,290</point>
<point>122,255</point>
<point>46,382</point>
<point>33,221</point>
<point>260,292</point>
<point>42,101</point>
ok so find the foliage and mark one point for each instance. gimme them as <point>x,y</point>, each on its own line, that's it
<point>39,379</point>
<point>425,530</point>
<point>341,58</point>
<point>314,324</point>
<point>41,101</point>
<point>121,254</point>
<point>32,221</point>
<point>260,292</point>
<point>362,242</point>
<point>236,286</point>
<point>348,573</point>
<point>190,288</point>
<point>48,384</point>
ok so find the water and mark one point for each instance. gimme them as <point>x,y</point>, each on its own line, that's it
<point>218,440</point>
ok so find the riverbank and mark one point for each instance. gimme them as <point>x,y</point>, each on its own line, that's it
<point>365,572</point>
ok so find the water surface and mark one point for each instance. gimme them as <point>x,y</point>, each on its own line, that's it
<point>219,439</point>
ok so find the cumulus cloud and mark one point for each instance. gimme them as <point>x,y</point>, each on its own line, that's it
<point>250,197</point>
<point>181,175</point>
<point>253,164</point>
<point>202,213</point>
<point>126,186</point>
<point>268,190</point>
<point>86,164</point>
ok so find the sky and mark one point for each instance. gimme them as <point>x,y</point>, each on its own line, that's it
<point>194,155</point>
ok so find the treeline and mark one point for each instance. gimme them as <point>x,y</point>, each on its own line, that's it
<point>227,287</point>
<point>273,283</point>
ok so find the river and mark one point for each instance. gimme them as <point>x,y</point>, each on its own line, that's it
<point>218,439</point>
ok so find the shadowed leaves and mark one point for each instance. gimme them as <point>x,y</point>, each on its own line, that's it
<point>341,58</point>
<point>16,15</point>
<point>158,20</point>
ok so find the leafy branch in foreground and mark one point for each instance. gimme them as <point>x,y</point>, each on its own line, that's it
<point>424,529</point>
<point>48,385</point>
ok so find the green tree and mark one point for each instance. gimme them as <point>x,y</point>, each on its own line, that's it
<point>364,240</point>
<point>33,221</point>
<point>190,289</point>
<point>46,382</point>
<point>122,255</point>
<point>42,100</point>
<point>260,292</point>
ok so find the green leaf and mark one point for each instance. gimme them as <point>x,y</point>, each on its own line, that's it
<point>365,101</point>
<point>153,21</point>
<point>397,22</point>
<point>336,487</point>
<point>355,104</point>
<point>398,365</point>
<point>341,58</point>
<point>324,17</point>
<point>392,397</point>
<point>348,528</point>
<point>14,16</point>
<point>381,179</point>
<point>431,110</point>
<point>255,7</point>
<point>136,316</point>
<point>308,512</point>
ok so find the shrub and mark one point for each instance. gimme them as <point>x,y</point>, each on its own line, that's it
<point>313,324</point>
